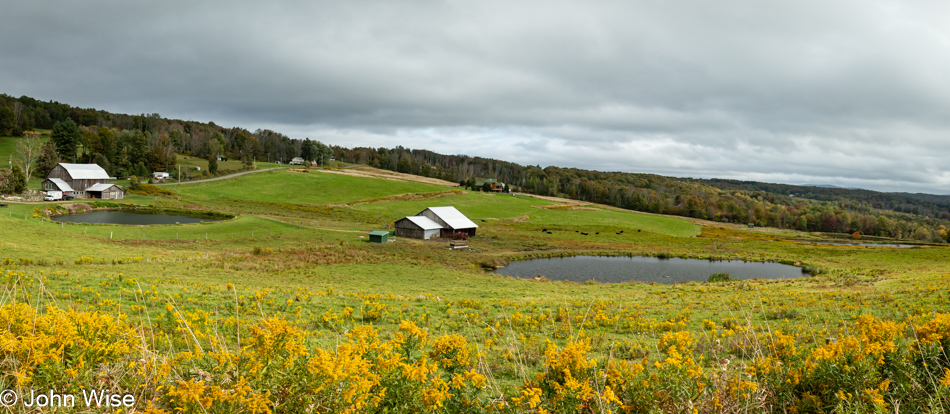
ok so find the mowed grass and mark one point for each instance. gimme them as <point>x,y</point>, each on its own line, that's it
<point>476,206</point>
<point>481,206</point>
<point>294,187</point>
<point>27,236</point>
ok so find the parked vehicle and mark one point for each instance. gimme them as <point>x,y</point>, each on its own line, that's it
<point>53,196</point>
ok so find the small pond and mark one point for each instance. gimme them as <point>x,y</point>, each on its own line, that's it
<point>612,269</point>
<point>136,217</point>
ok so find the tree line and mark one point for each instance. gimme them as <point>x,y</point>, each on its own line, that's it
<point>127,145</point>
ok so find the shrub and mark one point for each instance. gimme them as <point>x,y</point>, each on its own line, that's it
<point>719,277</point>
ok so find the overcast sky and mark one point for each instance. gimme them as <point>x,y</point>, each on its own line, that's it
<point>851,93</point>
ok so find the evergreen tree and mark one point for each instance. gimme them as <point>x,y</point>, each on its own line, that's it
<point>66,135</point>
<point>308,150</point>
<point>48,158</point>
<point>141,170</point>
<point>7,121</point>
<point>122,165</point>
<point>212,164</point>
<point>103,162</point>
<point>17,180</point>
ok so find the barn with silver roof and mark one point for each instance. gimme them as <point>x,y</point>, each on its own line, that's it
<point>81,181</point>
<point>451,220</point>
<point>435,222</point>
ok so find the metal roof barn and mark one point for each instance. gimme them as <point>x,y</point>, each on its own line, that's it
<point>418,227</point>
<point>61,185</point>
<point>85,171</point>
<point>452,220</point>
<point>78,177</point>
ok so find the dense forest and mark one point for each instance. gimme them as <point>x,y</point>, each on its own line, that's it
<point>139,144</point>
<point>135,144</point>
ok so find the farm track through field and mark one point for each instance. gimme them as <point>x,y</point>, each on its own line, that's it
<point>370,172</point>
<point>401,197</point>
<point>223,177</point>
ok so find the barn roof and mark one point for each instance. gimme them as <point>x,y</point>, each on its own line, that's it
<point>85,171</point>
<point>454,218</point>
<point>424,222</point>
<point>100,187</point>
<point>378,233</point>
<point>62,185</point>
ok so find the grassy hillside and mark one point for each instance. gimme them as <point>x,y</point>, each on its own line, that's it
<point>286,309</point>
<point>310,188</point>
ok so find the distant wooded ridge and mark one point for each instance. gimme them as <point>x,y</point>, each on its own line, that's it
<point>140,144</point>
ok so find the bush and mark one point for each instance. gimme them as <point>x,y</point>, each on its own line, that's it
<point>719,277</point>
<point>136,187</point>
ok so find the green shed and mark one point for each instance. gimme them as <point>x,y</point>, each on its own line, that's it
<point>378,236</point>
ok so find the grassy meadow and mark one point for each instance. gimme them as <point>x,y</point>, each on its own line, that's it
<point>285,308</point>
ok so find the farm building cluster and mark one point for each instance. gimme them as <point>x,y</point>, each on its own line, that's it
<point>435,222</point>
<point>82,181</point>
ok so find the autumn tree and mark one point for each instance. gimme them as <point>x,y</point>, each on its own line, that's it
<point>28,151</point>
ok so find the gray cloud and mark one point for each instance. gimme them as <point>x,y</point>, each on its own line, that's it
<point>851,93</point>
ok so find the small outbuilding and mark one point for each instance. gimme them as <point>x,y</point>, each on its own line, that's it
<point>105,191</point>
<point>418,227</point>
<point>378,236</point>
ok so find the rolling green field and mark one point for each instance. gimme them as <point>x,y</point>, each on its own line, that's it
<point>287,308</point>
<point>307,188</point>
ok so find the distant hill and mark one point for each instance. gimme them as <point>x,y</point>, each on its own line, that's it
<point>116,141</point>
<point>820,185</point>
<point>812,208</point>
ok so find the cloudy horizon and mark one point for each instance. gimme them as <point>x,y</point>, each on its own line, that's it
<point>850,93</point>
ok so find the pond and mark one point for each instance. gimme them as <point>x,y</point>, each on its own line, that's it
<point>613,269</point>
<point>136,217</point>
